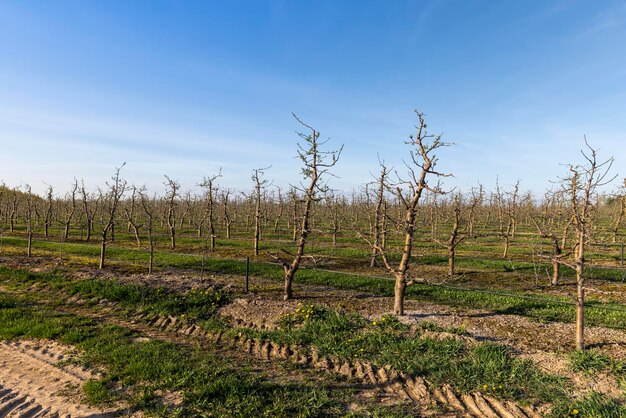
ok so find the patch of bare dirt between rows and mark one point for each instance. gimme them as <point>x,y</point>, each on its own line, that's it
<point>36,382</point>
<point>522,333</point>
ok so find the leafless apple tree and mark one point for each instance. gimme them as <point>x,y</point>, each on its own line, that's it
<point>316,164</point>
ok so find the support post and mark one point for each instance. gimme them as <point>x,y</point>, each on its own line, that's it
<point>247,273</point>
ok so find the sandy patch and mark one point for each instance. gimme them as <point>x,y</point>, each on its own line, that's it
<point>35,381</point>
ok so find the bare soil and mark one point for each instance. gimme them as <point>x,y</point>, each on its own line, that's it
<point>35,378</point>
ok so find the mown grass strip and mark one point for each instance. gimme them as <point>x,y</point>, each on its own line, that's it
<point>195,304</point>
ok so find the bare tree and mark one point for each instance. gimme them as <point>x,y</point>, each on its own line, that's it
<point>581,185</point>
<point>554,223</point>
<point>172,187</point>
<point>409,192</point>
<point>476,201</point>
<point>15,200</point>
<point>210,188</point>
<point>260,184</point>
<point>148,206</point>
<point>129,211</point>
<point>47,221</point>
<point>186,213</point>
<point>110,202</point>
<point>228,218</point>
<point>29,219</point>
<point>337,207</point>
<point>455,237</point>
<point>295,202</point>
<point>279,212</point>
<point>90,207</point>
<point>316,165</point>
<point>507,210</point>
<point>379,214</point>
<point>70,210</point>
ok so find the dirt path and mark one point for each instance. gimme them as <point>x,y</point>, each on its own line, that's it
<point>33,383</point>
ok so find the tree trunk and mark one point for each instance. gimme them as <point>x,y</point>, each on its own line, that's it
<point>137,239</point>
<point>505,254</point>
<point>257,235</point>
<point>580,292</point>
<point>290,270</point>
<point>288,290</point>
<point>30,244</point>
<point>89,229</point>
<point>103,245</point>
<point>451,261</point>
<point>556,268</point>
<point>556,265</point>
<point>398,298</point>
<point>151,261</point>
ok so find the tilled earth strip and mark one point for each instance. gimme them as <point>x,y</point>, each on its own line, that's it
<point>34,384</point>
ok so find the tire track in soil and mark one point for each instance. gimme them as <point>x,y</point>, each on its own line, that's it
<point>33,384</point>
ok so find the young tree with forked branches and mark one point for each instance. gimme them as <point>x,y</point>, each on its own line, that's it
<point>456,236</point>
<point>110,203</point>
<point>210,190</point>
<point>316,165</point>
<point>581,186</point>
<point>409,192</point>
<point>554,223</point>
<point>260,185</point>
<point>149,210</point>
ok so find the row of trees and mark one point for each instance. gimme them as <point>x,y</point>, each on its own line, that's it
<point>386,214</point>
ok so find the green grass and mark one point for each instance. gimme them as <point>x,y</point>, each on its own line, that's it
<point>195,304</point>
<point>97,393</point>
<point>594,405</point>
<point>592,361</point>
<point>486,367</point>
<point>589,361</point>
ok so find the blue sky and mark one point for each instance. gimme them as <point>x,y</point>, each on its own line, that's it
<point>183,88</point>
